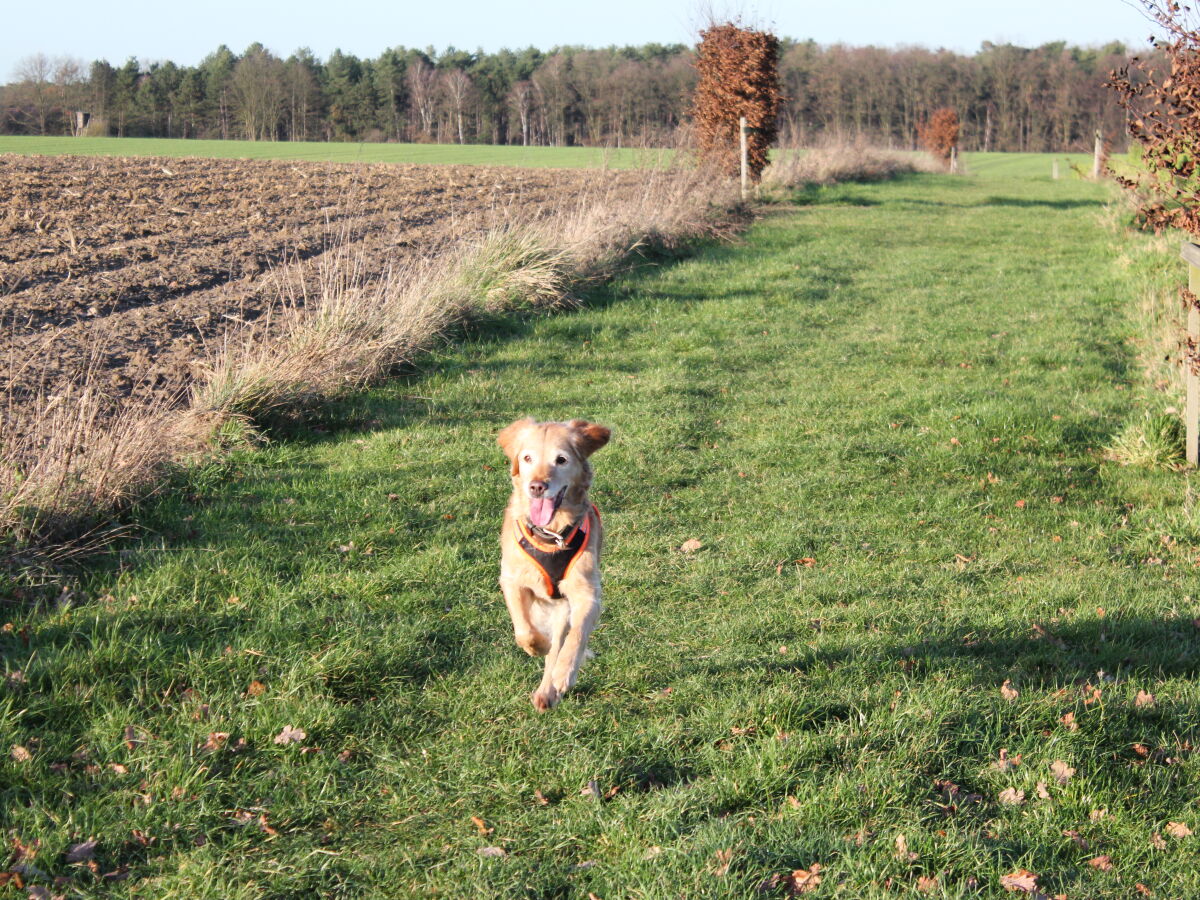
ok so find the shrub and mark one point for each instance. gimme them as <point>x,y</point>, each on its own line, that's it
<point>939,133</point>
<point>738,76</point>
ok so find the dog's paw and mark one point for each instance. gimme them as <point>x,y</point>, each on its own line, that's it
<point>544,698</point>
<point>534,643</point>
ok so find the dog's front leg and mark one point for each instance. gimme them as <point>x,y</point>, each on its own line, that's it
<point>557,621</point>
<point>518,599</point>
<point>585,611</point>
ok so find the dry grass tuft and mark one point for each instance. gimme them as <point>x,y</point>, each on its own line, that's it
<point>67,462</point>
<point>837,162</point>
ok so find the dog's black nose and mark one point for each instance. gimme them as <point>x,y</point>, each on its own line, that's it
<point>537,488</point>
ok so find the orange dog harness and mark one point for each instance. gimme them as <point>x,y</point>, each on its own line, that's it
<point>555,564</point>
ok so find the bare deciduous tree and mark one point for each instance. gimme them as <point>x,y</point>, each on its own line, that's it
<point>457,86</point>
<point>422,93</point>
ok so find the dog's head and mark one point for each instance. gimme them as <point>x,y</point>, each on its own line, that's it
<point>550,463</point>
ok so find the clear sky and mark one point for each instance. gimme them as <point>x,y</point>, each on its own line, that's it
<point>186,32</point>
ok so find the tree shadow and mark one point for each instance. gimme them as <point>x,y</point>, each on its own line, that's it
<point>1023,203</point>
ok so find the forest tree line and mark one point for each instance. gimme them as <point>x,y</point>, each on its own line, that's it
<point>1048,98</point>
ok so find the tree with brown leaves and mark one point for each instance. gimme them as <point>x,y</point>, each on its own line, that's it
<point>939,134</point>
<point>1164,118</point>
<point>738,76</point>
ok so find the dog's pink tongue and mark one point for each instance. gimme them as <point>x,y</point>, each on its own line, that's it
<point>541,511</point>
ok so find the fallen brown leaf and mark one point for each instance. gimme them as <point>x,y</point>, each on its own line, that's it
<point>902,851</point>
<point>1068,720</point>
<point>691,545</point>
<point>1021,880</point>
<point>1177,830</point>
<point>1040,790</point>
<point>1008,692</point>
<point>1143,890</point>
<point>800,881</point>
<point>1103,863</point>
<point>1143,700</point>
<point>216,740</point>
<point>1012,797</point>
<point>1005,762</point>
<point>1061,771</point>
<point>290,735</point>
<point>20,754</point>
<point>255,688</point>
<point>481,825</point>
<point>927,884</point>
<point>492,852</point>
<point>81,852</point>
<point>1158,842</point>
<point>540,798</point>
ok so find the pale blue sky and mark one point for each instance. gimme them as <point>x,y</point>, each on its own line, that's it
<point>186,32</point>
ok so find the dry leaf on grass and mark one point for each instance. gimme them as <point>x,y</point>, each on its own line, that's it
<point>1143,700</point>
<point>691,545</point>
<point>1103,863</point>
<point>724,858</point>
<point>1021,880</point>
<point>290,735</point>
<point>255,688</point>
<point>1143,890</point>
<point>216,740</point>
<point>902,851</point>
<point>1005,762</point>
<point>1158,842</point>
<point>927,884</point>
<point>481,825</point>
<point>1040,790</point>
<point>1061,771</point>
<point>1069,722</point>
<point>800,881</point>
<point>1177,830</point>
<point>493,852</point>
<point>81,852</point>
<point>20,754</point>
<point>1008,692</point>
<point>1012,797</point>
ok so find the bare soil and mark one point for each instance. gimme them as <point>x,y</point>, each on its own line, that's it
<point>129,269</point>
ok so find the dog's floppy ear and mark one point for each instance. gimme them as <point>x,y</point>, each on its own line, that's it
<point>588,436</point>
<point>507,439</point>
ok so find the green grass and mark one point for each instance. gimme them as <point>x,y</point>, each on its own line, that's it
<point>990,164</point>
<point>1026,165</point>
<point>446,154</point>
<point>881,415</point>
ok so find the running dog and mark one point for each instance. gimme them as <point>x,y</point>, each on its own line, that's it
<point>550,546</point>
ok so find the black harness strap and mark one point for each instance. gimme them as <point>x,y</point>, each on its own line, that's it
<point>555,563</point>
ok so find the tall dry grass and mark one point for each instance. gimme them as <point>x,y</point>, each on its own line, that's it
<point>835,162</point>
<point>67,463</point>
<point>351,330</point>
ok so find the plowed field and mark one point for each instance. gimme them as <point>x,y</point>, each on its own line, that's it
<point>131,267</point>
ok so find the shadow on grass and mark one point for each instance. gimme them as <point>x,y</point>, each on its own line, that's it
<point>1023,203</point>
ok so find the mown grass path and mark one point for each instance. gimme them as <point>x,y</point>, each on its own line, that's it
<point>881,416</point>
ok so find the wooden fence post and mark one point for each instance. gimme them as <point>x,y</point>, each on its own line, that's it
<point>1054,170</point>
<point>953,160</point>
<point>1097,156</point>
<point>1191,416</point>
<point>742,130</point>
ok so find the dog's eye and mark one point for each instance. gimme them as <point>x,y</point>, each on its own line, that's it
<point>560,460</point>
<point>527,458</point>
